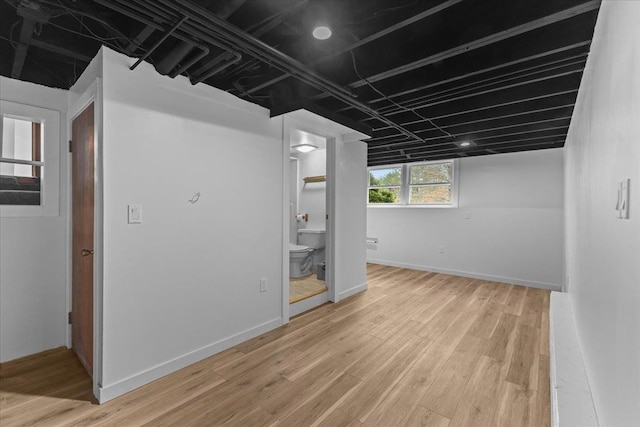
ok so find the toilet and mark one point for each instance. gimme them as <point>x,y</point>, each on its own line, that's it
<point>300,260</point>
<point>301,255</point>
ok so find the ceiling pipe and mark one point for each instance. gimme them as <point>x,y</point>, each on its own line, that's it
<point>216,70</point>
<point>159,42</point>
<point>403,143</point>
<point>476,44</point>
<point>246,43</point>
<point>484,92</point>
<point>412,20</point>
<point>483,84</point>
<point>140,14</point>
<point>178,53</point>
<point>263,27</point>
<point>482,71</point>
<point>160,14</point>
<point>30,17</point>
<point>490,107</point>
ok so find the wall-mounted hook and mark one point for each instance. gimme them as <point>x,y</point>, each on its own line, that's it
<point>195,198</point>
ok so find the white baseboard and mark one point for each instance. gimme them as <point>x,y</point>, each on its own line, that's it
<point>307,304</point>
<point>571,400</point>
<point>481,276</point>
<point>352,291</point>
<point>106,393</point>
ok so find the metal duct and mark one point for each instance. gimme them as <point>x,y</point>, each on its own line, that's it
<point>225,32</point>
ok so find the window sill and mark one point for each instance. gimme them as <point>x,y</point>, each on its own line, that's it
<point>411,206</point>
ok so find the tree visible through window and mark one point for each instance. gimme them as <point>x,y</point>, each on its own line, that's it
<point>385,185</point>
<point>430,183</point>
<point>427,183</point>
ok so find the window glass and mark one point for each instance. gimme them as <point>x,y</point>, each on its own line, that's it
<point>435,173</point>
<point>385,185</point>
<point>431,194</point>
<point>20,162</point>
<point>425,183</point>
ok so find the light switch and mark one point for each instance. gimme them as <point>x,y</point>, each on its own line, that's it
<point>135,214</point>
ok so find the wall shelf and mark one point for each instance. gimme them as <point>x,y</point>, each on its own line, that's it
<point>319,178</point>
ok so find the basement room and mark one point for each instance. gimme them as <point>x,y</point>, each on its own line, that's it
<point>320,213</point>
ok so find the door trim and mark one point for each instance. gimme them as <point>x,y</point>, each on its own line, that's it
<point>92,94</point>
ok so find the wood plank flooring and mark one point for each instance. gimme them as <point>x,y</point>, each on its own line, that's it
<point>305,287</point>
<point>416,349</point>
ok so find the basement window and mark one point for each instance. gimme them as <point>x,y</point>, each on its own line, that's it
<point>29,161</point>
<point>429,184</point>
<point>21,162</point>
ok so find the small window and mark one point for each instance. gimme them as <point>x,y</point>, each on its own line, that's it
<point>29,160</point>
<point>385,185</point>
<point>419,184</point>
<point>430,184</point>
<point>21,162</point>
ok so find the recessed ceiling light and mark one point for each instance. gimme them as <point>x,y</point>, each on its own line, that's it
<point>322,32</point>
<point>305,147</point>
<point>465,143</point>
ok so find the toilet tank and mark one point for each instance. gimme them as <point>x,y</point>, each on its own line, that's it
<point>312,238</point>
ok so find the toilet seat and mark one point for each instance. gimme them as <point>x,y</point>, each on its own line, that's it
<point>298,248</point>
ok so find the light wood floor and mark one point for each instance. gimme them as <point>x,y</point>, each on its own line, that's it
<point>305,287</point>
<point>415,349</point>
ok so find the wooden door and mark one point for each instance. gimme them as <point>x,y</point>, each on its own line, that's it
<point>82,182</point>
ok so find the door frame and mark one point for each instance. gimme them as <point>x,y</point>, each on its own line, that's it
<point>92,94</point>
<point>318,127</point>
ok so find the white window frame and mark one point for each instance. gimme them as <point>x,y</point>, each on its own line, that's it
<point>402,184</point>
<point>405,189</point>
<point>50,181</point>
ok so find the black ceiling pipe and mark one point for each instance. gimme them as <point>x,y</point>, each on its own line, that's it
<point>159,42</point>
<point>216,70</point>
<point>179,52</point>
<point>137,13</point>
<point>409,21</point>
<point>222,30</point>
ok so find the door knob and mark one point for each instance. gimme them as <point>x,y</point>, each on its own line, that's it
<point>87,252</point>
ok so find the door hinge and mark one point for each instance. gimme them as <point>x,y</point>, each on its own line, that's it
<point>69,317</point>
<point>70,144</point>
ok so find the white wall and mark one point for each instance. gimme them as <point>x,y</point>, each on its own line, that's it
<point>514,233</point>
<point>602,252</point>
<point>349,216</point>
<point>33,273</point>
<point>185,283</point>
<point>312,197</point>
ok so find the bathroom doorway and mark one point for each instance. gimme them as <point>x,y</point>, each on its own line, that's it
<point>308,287</point>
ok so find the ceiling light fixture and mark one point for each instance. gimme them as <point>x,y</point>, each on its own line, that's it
<point>322,32</point>
<point>305,147</point>
<point>464,144</point>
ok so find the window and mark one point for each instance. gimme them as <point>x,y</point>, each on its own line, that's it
<point>420,184</point>
<point>385,185</point>
<point>20,162</point>
<point>29,160</point>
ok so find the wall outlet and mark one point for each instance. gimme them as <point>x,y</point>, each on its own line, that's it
<point>441,249</point>
<point>263,284</point>
<point>467,215</point>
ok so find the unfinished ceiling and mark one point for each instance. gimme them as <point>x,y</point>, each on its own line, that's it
<point>422,77</point>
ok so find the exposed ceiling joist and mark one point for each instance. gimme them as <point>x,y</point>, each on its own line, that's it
<point>504,73</point>
<point>366,40</point>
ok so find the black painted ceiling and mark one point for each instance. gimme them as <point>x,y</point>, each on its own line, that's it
<point>420,76</point>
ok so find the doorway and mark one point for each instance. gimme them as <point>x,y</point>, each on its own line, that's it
<point>82,217</point>
<point>308,287</point>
